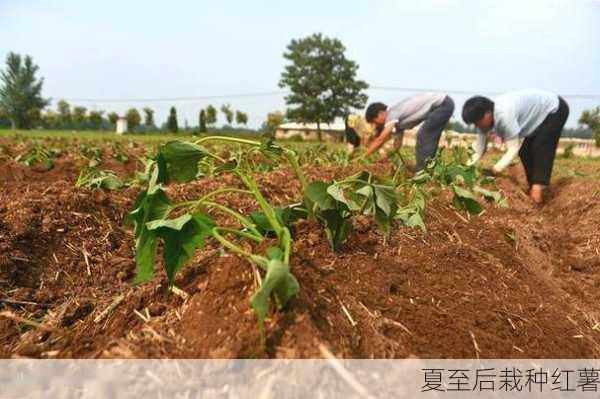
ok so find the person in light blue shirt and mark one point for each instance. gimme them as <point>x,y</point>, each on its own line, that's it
<point>431,110</point>
<point>529,122</point>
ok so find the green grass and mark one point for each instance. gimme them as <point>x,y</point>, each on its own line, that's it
<point>576,166</point>
<point>92,135</point>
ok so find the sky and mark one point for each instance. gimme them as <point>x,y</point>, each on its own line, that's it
<point>112,55</point>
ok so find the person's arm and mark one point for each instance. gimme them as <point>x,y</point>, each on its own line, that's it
<point>365,139</point>
<point>480,146</point>
<point>381,138</point>
<point>512,149</point>
<point>510,128</point>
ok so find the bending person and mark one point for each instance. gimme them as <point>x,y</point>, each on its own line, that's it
<point>433,110</point>
<point>530,123</point>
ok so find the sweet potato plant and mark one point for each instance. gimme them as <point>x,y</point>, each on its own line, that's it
<point>182,228</point>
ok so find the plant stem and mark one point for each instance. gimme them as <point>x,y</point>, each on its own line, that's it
<point>287,245</point>
<point>215,156</point>
<point>258,260</point>
<point>293,160</point>
<point>207,196</point>
<point>258,239</point>
<point>221,191</point>
<point>262,202</point>
<point>242,219</point>
<point>228,139</point>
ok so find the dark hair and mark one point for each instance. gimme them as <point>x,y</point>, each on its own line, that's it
<point>351,136</point>
<point>475,108</point>
<point>373,110</point>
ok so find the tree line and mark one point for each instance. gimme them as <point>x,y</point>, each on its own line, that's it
<point>22,106</point>
<point>322,82</point>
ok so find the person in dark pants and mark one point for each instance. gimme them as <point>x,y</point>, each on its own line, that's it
<point>433,110</point>
<point>530,123</point>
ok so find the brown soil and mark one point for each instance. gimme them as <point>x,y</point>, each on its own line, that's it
<point>512,283</point>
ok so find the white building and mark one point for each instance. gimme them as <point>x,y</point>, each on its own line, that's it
<point>121,125</point>
<point>332,132</point>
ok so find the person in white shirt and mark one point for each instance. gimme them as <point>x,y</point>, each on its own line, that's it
<point>529,122</point>
<point>433,110</point>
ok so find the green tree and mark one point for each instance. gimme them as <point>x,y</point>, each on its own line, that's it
<point>274,119</point>
<point>591,118</point>
<point>172,121</point>
<point>51,120</point>
<point>79,117</point>
<point>148,117</point>
<point>226,110</point>
<point>95,119</point>
<point>64,114</point>
<point>202,121</point>
<point>21,91</point>
<point>113,117</point>
<point>322,81</point>
<point>133,119</point>
<point>241,118</point>
<point>211,115</point>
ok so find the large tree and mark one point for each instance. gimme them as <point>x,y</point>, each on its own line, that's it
<point>274,119</point>
<point>591,118</point>
<point>211,115</point>
<point>113,117</point>
<point>50,120</point>
<point>133,119</point>
<point>64,114</point>
<point>21,91</point>
<point>79,117</point>
<point>202,121</point>
<point>148,117</point>
<point>228,112</point>
<point>241,118</point>
<point>95,119</point>
<point>172,121</point>
<point>322,81</point>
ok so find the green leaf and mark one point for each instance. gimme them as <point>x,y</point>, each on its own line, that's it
<point>365,191</point>
<point>337,226</point>
<point>385,198</point>
<point>181,236</point>
<point>145,252</point>
<point>91,177</point>
<point>269,148</point>
<point>174,224</point>
<point>317,193</point>
<point>337,193</point>
<point>148,207</point>
<point>464,199</point>
<point>178,160</point>
<point>285,216</point>
<point>384,222</point>
<point>111,183</point>
<point>418,200</point>
<point>279,281</point>
<point>416,220</point>
<point>495,196</point>
<point>411,216</point>
<point>228,166</point>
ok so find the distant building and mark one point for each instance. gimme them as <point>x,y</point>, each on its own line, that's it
<point>121,125</point>
<point>332,132</point>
